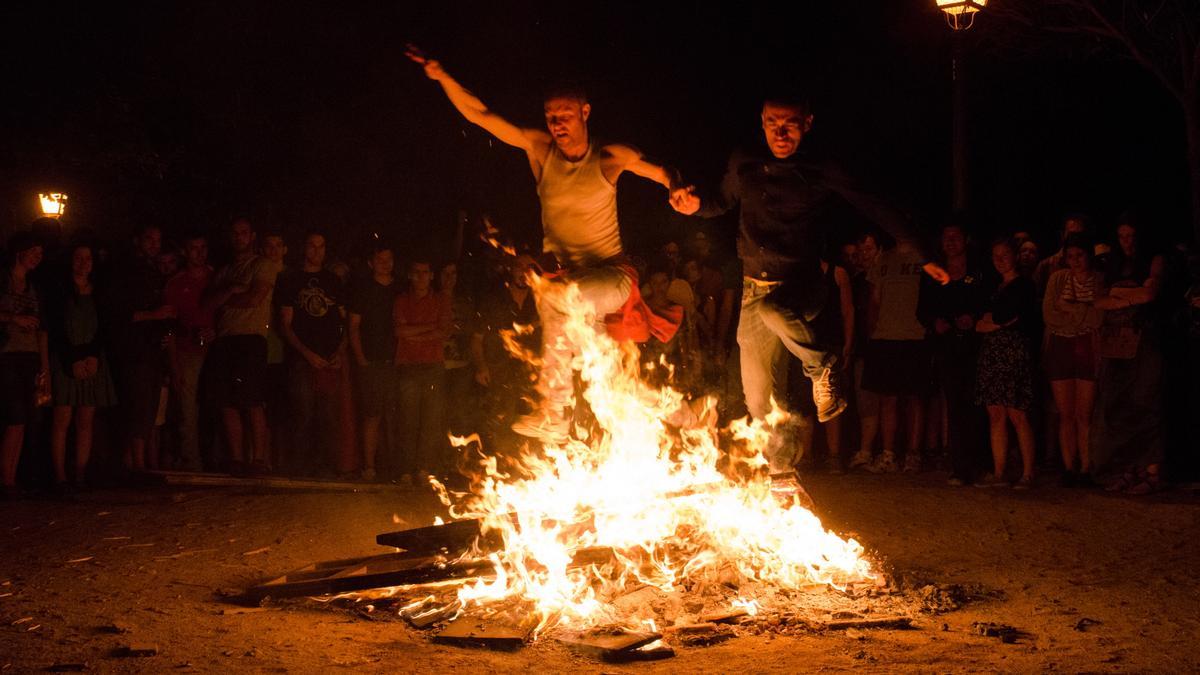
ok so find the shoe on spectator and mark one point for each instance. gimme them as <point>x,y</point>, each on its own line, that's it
<point>1024,483</point>
<point>886,463</point>
<point>406,479</point>
<point>827,395</point>
<point>1068,479</point>
<point>257,469</point>
<point>912,462</point>
<point>546,426</point>
<point>836,467</point>
<point>956,482</point>
<point>368,474</point>
<point>861,459</point>
<point>991,481</point>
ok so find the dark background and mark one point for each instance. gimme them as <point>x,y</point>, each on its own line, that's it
<point>303,115</point>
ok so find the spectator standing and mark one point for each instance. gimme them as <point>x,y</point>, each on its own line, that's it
<point>373,345</point>
<point>949,314</point>
<point>898,359</point>
<point>460,390</point>
<point>237,362</point>
<point>273,247</point>
<point>1004,374</point>
<point>24,358</point>
<point>139,321</point>
<point>1072,354</point>
<point>1128,435</point>
<point>504,377</point>
<point>866,403</point>
<point>1028,258</point>
<point>421,319</point>
<point>311,322</point>
<point>79,371</point>
<point>194,334</point>
<point>1073,224</point>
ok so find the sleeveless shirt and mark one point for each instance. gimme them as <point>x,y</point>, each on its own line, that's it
<point>579,209</point>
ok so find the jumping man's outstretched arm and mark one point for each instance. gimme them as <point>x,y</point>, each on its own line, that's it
<point>532,141</point>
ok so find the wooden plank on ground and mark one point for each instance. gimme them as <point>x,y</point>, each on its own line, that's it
<point>190,479</point>
<point>360,574</point>
<point>608,645</point>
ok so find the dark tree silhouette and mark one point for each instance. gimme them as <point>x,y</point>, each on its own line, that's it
<point>1160,36</point>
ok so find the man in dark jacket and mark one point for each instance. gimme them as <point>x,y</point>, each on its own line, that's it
<point>787,196</point>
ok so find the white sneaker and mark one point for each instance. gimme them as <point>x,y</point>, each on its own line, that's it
<point>912,462</point>
<point>545,426</point>
<point>861,459</point>
<point>886,463</point>
<point>827,395</point>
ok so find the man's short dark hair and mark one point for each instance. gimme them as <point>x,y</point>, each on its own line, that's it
<point>140,231</point>
<point>789,98</point>
<point>569,90</point>
<point>193,235</point>
<point>1082,241</point>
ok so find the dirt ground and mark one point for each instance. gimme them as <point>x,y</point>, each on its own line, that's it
<point>152,563</point>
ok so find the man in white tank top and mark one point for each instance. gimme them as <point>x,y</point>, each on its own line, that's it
<point>576,185</point>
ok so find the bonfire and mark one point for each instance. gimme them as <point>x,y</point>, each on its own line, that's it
<point>678,506</point>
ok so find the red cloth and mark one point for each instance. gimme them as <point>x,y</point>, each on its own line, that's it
<point>409,310</point>
<point>637,322</point>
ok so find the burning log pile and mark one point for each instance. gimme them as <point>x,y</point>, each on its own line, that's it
<point>646,527</point>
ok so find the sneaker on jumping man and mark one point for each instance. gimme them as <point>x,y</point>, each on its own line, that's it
<point>827,395</point>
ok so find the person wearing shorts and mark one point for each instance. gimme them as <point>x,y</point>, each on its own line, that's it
<point>1071,357</point>
<point>897,360</point>
<point>237,362</point>
<point>23,353</point>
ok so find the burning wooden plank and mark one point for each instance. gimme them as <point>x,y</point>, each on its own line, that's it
<point>609,646</point>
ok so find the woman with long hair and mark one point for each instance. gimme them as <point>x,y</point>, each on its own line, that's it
<point>24,363</point>
<point>1072,355</point>
<point>80,377</point>
<point>1004,373</point>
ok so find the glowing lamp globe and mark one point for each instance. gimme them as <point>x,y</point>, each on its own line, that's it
<point>54,204</point>
<point>960,14</point>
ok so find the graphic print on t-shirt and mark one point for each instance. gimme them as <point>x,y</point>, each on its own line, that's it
<point>313,299</point>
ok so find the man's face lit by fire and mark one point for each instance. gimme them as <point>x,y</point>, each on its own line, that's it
<point>420,276</point>
<point>868,251</point>
<point>520,270</point>
<point>241,237</point>
<point>150,243</point>
<point>30,258</point>
<point>314,250</point>
<point>195,251</point>
<point>274,248</point>
<point>954,242</point>
<point>1003,258</point>
<point>448,278</point>
<point>566,120</point>
<point>81,262</point>
<point>1077,259</point>
<point>784,127</point>
<point>1028,255</point>
<point>382,263</point>
<point>1127,238</point>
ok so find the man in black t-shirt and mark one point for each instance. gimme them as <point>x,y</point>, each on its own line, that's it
<point>311,322</point>
<point>373,345</point>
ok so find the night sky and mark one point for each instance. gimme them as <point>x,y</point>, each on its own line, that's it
<point>309,115</point>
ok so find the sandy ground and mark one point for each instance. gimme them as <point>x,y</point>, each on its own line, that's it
<point>152,563</point>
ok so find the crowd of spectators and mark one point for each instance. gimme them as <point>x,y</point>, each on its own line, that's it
<point>358,367</point>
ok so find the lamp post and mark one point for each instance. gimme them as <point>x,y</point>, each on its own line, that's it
<point>53,204</point>
<point>960,15</point>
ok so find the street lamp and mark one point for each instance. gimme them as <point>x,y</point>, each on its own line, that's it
<point>54,204</point>
<point>960,14</point>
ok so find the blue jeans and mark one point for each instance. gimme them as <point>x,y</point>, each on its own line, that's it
<point>775,321</point>
<point>423,443</point>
